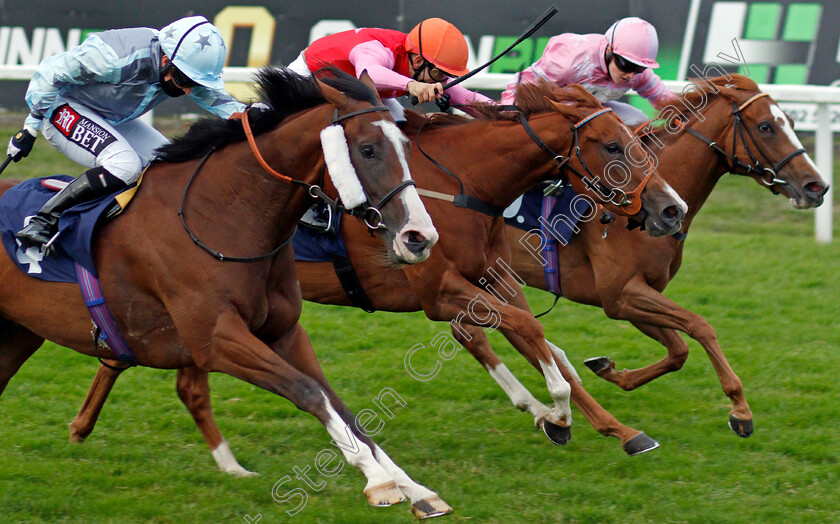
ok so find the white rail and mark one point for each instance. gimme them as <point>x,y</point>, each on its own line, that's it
<point>822,96</point>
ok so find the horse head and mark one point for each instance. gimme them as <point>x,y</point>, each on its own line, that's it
<point>758,139</point>
<point>617,171</point>
<point>367,160</point>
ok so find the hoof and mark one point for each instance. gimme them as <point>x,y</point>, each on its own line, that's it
<point>384,495</point>
<point>599,364</point>
<point>639,444</point>
<point>557,434</point>
<point>742,428</point>
<point>78,439</point>
<point>430,508</point>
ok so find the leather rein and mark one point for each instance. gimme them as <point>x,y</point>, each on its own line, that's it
<point>371,214</point>
<point>630,201</point>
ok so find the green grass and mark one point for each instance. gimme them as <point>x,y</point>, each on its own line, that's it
<point>751,267</point>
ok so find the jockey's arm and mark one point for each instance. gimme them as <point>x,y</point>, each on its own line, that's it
<point>90,62</point>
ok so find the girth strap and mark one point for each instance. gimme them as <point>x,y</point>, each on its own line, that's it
<point>350,282</point>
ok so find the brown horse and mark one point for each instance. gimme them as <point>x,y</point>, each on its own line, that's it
<point>177,306</point>
<point>496,159</point>
<point>756,139</point>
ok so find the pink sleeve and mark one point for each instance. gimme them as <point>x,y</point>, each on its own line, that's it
<point>378,60</point>
<point>461,95</point>
<point>649,85</point>
<point>557,61</point>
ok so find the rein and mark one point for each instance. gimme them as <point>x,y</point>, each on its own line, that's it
<point>630,201</point>
<point>767,175</point>
<point>614,195</point>
<point>371,213</point>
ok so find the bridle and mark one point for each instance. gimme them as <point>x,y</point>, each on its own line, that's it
<point>631,202</point>
<point>767,175</point>
<point>371,214</point>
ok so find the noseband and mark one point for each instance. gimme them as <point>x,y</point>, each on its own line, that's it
<point>631,202</point>
<point>371,214</point>
<point>767,175</point>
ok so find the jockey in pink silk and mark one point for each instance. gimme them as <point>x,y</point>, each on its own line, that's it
<point>607,65</point>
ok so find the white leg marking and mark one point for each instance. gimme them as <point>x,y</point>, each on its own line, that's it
<point>518,394</point>
<point>413,490</point>
<point>357,453</point>
<point>561,356</point>
<point>227,462</point>
<point>559,389</point>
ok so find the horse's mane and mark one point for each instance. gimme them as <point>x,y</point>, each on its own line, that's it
<point>531,98</point>
<point>283,91</point>
<point>705,87</point>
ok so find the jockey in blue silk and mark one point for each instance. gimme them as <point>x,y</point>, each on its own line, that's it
<point>86,102</point>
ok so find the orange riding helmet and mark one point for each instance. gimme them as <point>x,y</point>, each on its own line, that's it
<point>440,43</point>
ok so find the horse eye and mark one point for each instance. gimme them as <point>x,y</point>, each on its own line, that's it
<point>367,151</point>
<point>764,127</point>
<point>613,149</point>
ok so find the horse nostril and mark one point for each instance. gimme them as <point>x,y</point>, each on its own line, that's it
<point>815,189</point>
<point>671,215</point>
<point>415,242</point>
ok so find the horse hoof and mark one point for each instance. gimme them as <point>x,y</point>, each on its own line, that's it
<point>557,434</point>
<point>598,364</point>
<point>242,473</point>
<point>742,428</point>
<point>639,444</point>
<point>78,439</point>
<point>384,495</point>
<point>430,508</point>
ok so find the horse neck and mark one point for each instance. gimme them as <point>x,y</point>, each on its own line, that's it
<point>272,206</point>
<point>690,166</point>
<point>495,160</point>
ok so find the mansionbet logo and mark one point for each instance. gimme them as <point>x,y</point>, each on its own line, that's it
<point>778,39</point>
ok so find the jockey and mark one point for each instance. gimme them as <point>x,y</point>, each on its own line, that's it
<point>606,65</point>
<point>86,101</point>
<point>417,63</point>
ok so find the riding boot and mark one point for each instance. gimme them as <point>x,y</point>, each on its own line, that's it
<point>92,184</point>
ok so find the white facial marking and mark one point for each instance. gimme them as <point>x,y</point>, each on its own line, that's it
<point>342,173</point>
<point>783,124</point>
<point>419,219</point>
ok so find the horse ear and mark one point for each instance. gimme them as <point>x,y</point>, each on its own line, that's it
<point>564,108</point>
<point>368,81</point>
<point>332,95</point>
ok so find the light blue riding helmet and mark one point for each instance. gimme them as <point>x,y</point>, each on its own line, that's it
<point>196,47</point>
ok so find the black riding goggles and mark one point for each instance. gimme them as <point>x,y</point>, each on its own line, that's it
<point>626,66</point>
<point>182,80</point>
<point>437,75</point>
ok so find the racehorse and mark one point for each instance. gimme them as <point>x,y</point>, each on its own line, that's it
<point>496,159</point>
<point>742,131</point>
<point>223,295</point>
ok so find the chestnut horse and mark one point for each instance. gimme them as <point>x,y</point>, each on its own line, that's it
<point>237,313</point>
<point>751,136</point>
<point>496,159</point>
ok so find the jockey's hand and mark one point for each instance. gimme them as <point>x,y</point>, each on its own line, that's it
<point>423,91</point>
<point>21,144</point>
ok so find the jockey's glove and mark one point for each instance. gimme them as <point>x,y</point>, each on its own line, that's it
<point>21,144</point>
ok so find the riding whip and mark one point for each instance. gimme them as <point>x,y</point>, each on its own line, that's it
<point>5,163</point>
<point>528,32</point>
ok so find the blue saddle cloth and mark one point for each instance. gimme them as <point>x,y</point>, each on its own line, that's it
<point>76,227</point>
<point>316,246</point>
<point>556,218</point>
<point>525,213</point>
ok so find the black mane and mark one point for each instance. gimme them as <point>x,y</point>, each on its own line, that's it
<point>283,91</point>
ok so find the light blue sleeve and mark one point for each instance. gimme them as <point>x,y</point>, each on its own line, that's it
<point>92,61</point>
<point>217,101</point>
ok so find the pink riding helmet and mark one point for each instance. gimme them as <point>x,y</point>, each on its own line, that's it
<point>635,40</point>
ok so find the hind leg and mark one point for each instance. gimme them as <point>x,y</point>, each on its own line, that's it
<point>17,344</point>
